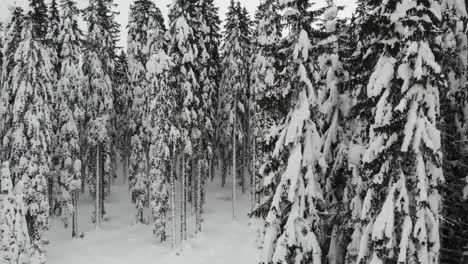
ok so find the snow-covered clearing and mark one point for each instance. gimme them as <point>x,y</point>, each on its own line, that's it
<point>119,241</point>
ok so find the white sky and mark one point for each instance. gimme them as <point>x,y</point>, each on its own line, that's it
<point>124,7</point>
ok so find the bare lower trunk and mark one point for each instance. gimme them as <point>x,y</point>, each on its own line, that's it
<point>124,168</point>
<point>234,183</point>
<point>183,202</point>
<point>97,208</point>
<point>173,214</point>
<point>199,197</point>
<point>75,214</point>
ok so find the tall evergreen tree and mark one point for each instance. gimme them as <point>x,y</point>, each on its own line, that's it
<point>293,222</point>
<point>265,98</point>
<point>234,89</point>
<point>401,210</point>
<point>99,68</point>
<point>31,131</point>
<point>183,50</point>
<point>141,13</point>
<point>12,39</point>
<point>70,111</point>
<point>454,130</point>
<point>122,100</point>
<point>161,120</point>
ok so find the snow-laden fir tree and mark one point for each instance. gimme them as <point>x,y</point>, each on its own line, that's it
<point>209,72</point>
<point>234,91</point>
<point>99,68</point>
<point>14,238</point>
<point>70,111</point>
<point>11,40</point>
<point>265,97</point>
<point>454,111</point>
<point>400,213</point>
<point>31,131</point>
<point>122,100</point>
<point>162,122</point>
<point>292,227</point>
<point>333,105</point>
<point>359,58</point>
<point>51,41</point>
<point>183,50</point>
<point>142,13</point>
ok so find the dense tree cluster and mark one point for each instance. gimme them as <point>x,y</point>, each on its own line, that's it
<point>350,134</point>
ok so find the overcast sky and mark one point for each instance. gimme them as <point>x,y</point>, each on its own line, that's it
<point>124,7</point>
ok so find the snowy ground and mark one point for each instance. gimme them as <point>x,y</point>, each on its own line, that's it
<point>122,242</point>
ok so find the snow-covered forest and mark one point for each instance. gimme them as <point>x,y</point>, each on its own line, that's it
<point>293,136</point>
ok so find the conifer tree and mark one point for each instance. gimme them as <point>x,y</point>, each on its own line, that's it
<point>99,68</point>
<point>122,100</point>
<point>183,50</point>
<point>162,123</point>
<point>31,133</point>
<point>234,88</point>
<point>293,223</point>
<point>70,111</point>
<point>265,98</point>
<point>207,26</point>
<point>454,130</point>
<point>11,41</point>
<point>142,13</point>
<point>402,163</point>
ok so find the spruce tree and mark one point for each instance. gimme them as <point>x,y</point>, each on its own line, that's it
<point>11,41</point>
<point>265,98</point>
<point>183,50</point>
<point>162,123</point>
<point>207,26</point>
<point>70,111</point>
<point>455,124</point>
<point>142,12</point>
<point>122,100</point>
<point>400,213</point>
<point>99,68</point>
<point>31,130</point>
<point>234,89</point>
<point>293,222</point>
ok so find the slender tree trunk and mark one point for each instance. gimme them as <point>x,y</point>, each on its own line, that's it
<point>83,168</point>
<point>97,210</point>
<point>124,167</point>
<point>75,214</point>
<point>173,214</point>
<point>224,172</point>
<point>199,197</point>
<point>183,201</point>
<point>102,159</point>
<point>253,172</point>
<point>234,183</point>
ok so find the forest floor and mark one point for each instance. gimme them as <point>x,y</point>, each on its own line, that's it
<point>120,241</point>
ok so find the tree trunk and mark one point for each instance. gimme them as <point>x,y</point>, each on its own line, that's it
<point>199,197</point>
<point>173,214</point>
<point>75,214</point>
<point>97,208</point>
<point>234,167</point>
<point>124,168</point>
<point>183,201</point>
<point>102,158</point>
